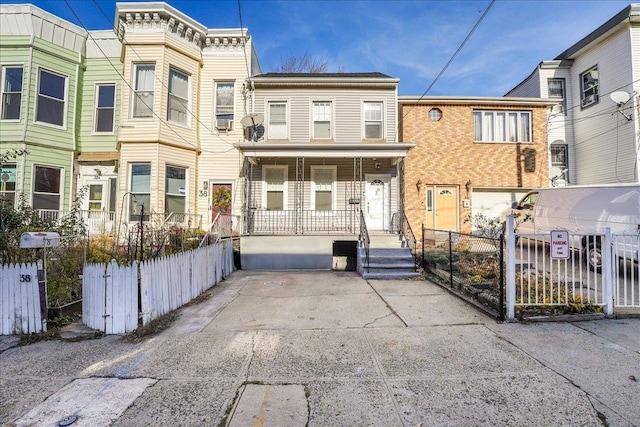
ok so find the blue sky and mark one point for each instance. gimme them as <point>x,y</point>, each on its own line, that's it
<point>411,40</point>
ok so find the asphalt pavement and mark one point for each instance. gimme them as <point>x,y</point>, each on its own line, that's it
<point>330,349</point>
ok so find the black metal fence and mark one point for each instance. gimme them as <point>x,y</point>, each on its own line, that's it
<point>471,266</point>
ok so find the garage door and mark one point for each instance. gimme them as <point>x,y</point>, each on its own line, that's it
<point>491,201</point>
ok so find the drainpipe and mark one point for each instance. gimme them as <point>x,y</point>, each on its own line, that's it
<point>26,115</point>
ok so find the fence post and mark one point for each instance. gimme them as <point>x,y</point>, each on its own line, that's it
<point>422,244</point>
<point>501,314</point>
<point>608,255</point>
<point>511,268</point>
<point>450,261</point>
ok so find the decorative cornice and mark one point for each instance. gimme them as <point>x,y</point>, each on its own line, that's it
<point>225,43</point>
<point>160,20</point>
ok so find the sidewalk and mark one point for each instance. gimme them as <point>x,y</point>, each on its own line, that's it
<point>331,349</point>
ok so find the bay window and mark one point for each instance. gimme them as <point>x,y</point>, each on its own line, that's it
<point>175,190</point>
<point>51,101</point>
<point>140,191</point>
<point>46,187</point>
<point>178,103</point>
<point>143,90</point>
<point>11,92</point>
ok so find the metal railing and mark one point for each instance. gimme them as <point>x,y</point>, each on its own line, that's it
<point>364,239</point>
<point>469,265</point>
<point>224,226</point>
<point>96,222</point>
<point>302,222</point>
<point>408,236</point>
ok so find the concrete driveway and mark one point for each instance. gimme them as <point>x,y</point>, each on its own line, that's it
<point>331,349</point>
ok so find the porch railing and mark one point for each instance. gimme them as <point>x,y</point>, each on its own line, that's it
<point>224,226</point>
<point>408,236</point>
<point>364,239</point>
<point>303,222</point>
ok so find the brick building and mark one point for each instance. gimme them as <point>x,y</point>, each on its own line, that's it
<point>472,156</point>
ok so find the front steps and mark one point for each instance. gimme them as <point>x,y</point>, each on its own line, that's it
<point>389,259</point>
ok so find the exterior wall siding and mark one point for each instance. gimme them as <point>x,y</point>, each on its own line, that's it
<point>347,109</point>
<point>605,151</point>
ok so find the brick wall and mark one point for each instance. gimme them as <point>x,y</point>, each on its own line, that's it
<point>445,153</point>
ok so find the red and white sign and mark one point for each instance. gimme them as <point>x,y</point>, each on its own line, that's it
<point>559,244</point>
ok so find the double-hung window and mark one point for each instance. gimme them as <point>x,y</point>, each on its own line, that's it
<point>7,183</point>
<point>501,126</point>
<point>589,87</point>
<point>178,104</point>
<point>105,108</point>
<point>224,106</point>
<point>275,181</point>
<point>46,187</point>
<point>323,181</point>
<point>95,197</point>
<point>277,120</point>
<point>560,159</point>
<point>11,92</point>
<point>140,191</point>
<point>52,99</point>
<point>373,120</point>
<point>175,192</point>
<point>556,91</point>
<point>143,88</point>
<point>322,120</point>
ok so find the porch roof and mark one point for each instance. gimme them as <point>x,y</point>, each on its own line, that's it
<point>364,150</point>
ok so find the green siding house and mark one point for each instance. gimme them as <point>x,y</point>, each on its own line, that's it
<point>40,60</point>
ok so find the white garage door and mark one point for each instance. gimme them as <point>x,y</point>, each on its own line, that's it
<point>491,201</point>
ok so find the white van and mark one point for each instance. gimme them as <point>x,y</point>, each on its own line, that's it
<point>584,210</point>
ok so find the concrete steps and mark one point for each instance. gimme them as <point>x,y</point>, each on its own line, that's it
<point>389,259</point>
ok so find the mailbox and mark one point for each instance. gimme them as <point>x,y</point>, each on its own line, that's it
<point>39,239</point>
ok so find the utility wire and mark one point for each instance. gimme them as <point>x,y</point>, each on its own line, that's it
<point>455,54</point>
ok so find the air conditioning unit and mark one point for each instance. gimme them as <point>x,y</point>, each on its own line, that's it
<point>588,100</point>
<point>224,125</point>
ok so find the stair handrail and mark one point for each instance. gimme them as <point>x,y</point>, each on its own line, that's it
<point>214,224</point>
<point>409,237</point>
<point>364,239</point>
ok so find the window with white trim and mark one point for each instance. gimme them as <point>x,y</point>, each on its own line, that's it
<point>8,183</point>
<point>225,99</point>
<point>275,185</point>
<point>560,159</point>
<point>11,92</point>
<point>139,191</point>
<point>143,90</point>
<point>555,88</point>
<point>95,197</point>
<point>175,190</point>
<point>589,93</point>
<point>501,126</point>
<point>178,102</point>
<point>323,187</point>
<point>104,119</point>
<point>321,120</point>
<point>277,120</point>
<point>52,99</point>
<point>47,181</point>
<point>373,120</point>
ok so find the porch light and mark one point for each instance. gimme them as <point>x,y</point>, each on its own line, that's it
<point>419,184</point>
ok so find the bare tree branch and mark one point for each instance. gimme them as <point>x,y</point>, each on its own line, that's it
<point>304,63</point>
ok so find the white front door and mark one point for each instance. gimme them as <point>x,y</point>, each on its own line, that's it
<point>377,200</point>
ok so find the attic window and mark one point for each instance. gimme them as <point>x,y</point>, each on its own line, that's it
<point>435,114</point>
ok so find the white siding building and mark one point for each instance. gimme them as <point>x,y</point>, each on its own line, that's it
<point>592,134</point>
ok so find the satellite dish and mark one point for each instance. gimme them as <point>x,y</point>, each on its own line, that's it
<point>620,97</point>
<point>254,119</point>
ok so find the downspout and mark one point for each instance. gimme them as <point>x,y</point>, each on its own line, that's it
<point>26,118</point>
<point>74,135</point>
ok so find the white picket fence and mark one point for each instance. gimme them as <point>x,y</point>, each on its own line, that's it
<point>110,292</point>
<point>535,278</point>
<point>20,311</point>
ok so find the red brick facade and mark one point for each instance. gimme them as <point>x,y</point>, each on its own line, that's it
<point>446,154</point>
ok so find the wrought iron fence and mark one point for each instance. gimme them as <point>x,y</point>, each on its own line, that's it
<point>470,265</point>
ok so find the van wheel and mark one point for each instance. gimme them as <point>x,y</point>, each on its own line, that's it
<point>594,257</point>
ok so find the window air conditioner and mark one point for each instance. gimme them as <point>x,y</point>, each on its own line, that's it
<point>224,124</point>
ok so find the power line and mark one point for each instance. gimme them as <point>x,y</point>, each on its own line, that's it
<point>455,54</point>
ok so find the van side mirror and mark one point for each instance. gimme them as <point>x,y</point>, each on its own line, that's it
<point>515,205</point>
